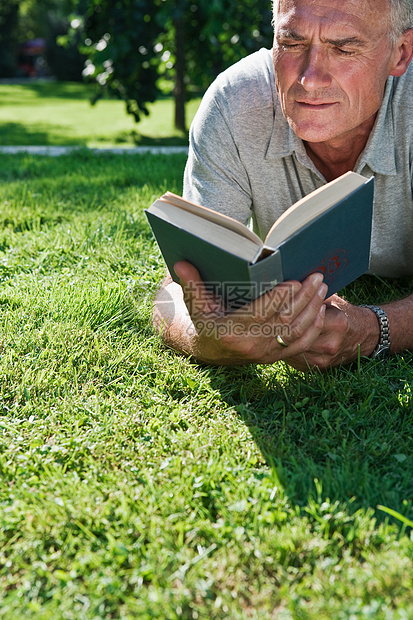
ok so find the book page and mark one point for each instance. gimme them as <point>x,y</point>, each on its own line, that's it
<point>212,216</point>
<point>310,207</point>
<point>210,231</point>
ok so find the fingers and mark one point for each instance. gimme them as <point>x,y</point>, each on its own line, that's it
<point>286,300</point>
<point>300,336</point>
<point>307,310</point>
<point>311,294</point>
<point>277,301</point>
<point>331,348</point>
<point>292,310</point>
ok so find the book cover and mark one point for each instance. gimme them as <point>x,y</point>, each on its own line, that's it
<point>337,244</point>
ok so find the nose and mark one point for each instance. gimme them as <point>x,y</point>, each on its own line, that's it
<point>315,71</point>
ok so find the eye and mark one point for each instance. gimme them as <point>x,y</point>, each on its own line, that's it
<point>343,52</point>
<point>291,46</point>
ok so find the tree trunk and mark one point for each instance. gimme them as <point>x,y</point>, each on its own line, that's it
<point>180,122</point>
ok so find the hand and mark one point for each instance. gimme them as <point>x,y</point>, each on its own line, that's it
<point>293,310</point>
<point>346,329</point>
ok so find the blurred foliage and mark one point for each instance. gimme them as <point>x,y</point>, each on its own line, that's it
<point>25,20</point>
<point>137,49</point>
<point>131,44</point>
<point>35,17</point>
<point>216,34</point>
<point>205,37</point>
<point>119,41</point>
<point>9,19</point>
<point>50,19</point>
<point>66,62</point>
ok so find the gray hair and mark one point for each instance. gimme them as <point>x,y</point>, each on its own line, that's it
<point>401,17</point>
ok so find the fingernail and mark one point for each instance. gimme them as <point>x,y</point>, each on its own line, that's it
<point>317,278</point>
<point>177,271</point>
<point>322,291</point>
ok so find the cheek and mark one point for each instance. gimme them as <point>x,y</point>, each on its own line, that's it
<point>286,72</point>
<point>362,90</point>
<point>361,80</point>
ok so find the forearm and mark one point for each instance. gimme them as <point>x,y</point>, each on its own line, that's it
<point>176,328</point>
<point>171,318</point>
<point>361,331</point>
<point>350,331</point>
<point>400,315</point>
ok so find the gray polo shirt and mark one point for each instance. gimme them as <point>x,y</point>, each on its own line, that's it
<point>245,160</point>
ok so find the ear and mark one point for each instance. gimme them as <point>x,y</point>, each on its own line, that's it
<point>403,53</point>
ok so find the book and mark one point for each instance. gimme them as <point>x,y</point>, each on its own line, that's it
<point>327,231</point>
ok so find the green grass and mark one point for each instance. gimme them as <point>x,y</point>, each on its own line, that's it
<point>55,114</point>
<point>135,483</point>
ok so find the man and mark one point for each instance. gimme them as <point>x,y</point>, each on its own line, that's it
<point>336,95</point>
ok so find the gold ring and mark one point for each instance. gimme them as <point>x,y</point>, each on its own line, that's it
<point>281,341</point>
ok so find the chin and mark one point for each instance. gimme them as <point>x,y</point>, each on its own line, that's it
<point>308,132</point>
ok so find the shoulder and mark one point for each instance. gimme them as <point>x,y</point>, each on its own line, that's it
<point>255,68</point>
<point>248,84</point>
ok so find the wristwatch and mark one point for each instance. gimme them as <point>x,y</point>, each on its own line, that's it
<point>382,351</point>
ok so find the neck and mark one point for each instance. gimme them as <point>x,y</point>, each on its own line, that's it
<point>335,157</point>
<point>331,165</point>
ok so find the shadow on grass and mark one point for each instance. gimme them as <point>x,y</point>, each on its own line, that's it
<point>348,431</point>
<point>37,134</point>
<point>142,140</point>
<point>67,176</point>
<point>42,134</point>
<point>44,89</point>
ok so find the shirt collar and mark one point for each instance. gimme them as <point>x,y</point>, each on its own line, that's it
<point>284,142</point>
<point>379,153</point>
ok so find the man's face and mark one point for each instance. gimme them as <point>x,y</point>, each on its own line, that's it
<point>332,59</point>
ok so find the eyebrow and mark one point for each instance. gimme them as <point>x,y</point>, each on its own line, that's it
<point>286,33</point>
<point>346,41</point>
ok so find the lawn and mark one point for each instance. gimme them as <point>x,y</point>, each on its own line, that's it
<point>56,114</point>
<point>139,484</point>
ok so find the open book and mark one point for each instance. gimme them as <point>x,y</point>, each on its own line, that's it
<point>328,231</point>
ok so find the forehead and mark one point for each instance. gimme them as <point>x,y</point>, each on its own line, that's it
<point>369,16</point>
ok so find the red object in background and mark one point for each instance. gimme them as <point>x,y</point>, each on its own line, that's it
<point>35,47</point>
<point>30,54</point>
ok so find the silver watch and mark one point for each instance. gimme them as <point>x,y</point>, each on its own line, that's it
<point>382,351</point>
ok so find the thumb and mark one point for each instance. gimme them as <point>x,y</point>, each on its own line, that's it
<point>186,272</point>
<point>198,299</point>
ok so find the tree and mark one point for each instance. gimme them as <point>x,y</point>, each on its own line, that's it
<point>207,36</point>
<point>22,20</point>
<point>118,40</point>
<point>131,43</point>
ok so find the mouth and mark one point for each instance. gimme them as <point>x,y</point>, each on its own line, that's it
<point>316,105</point>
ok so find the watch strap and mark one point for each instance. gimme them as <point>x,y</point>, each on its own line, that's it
<point>382,350</point>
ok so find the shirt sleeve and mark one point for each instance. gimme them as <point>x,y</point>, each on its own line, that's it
<point>215,176</point>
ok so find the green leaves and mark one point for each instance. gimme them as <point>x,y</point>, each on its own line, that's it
<point>119,41</point>
<point>131,44</point>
